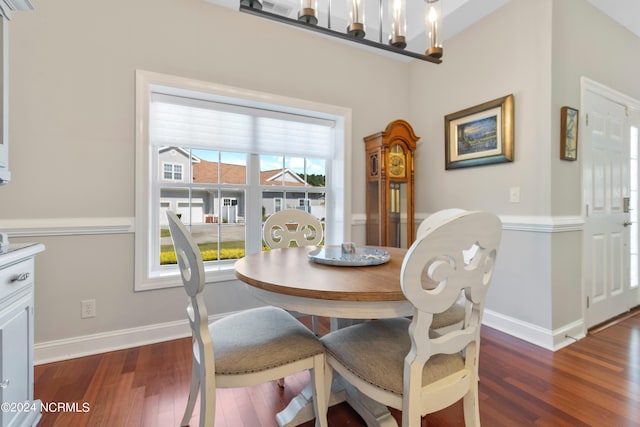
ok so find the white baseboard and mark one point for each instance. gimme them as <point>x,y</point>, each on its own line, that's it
<point>552,340</point>
<point>86,345</point>
<point>568,334</point>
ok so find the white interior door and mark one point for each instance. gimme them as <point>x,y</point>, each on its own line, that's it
<point>606,180</point>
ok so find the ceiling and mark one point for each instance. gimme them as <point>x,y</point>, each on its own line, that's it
<point>458,15</point>
<point>625,12</point>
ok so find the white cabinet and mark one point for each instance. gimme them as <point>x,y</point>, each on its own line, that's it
<point>16,336</point>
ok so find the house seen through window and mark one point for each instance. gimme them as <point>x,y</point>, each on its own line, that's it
<point>215,201</point>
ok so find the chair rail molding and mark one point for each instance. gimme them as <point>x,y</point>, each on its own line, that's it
<point>535,223</point>
<point>43,227</point>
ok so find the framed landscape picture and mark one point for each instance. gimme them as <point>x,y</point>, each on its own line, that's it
<point>480,135</point>
<point>568,133</point>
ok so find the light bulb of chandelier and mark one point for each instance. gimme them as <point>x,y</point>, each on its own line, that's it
<point>254,4</point>
<point>355,25</point>
<point>433,22</point>
<point>398,14</point>
<point>308,11</point>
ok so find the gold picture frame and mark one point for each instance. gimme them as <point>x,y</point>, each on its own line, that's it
<point>480,135</point>
<point>568,133</point>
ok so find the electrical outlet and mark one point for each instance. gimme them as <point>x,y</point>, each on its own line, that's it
<point>88,308</point>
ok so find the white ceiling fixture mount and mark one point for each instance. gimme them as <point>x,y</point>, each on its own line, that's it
<point>349,20</point>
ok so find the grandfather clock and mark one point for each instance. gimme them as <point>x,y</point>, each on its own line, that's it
<point>390,193</point>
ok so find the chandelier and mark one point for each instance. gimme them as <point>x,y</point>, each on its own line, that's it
<point>392,20</point>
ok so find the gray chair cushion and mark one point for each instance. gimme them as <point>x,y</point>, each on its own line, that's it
<point>451,316</point>
<point>375,352</point>
<point>259,339</point>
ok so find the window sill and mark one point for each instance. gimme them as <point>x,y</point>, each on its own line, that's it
<point>167,280</point>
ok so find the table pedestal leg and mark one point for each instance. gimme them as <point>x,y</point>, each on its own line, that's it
<point>300,409</point>
<point>373,413</point>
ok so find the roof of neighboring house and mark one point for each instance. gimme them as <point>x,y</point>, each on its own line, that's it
<point>206,171</point>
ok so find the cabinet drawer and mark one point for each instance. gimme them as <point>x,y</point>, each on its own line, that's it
<point>15,277</point>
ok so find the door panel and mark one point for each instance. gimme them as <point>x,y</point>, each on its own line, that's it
<point>618,243</point>
<point>598,191</point>
<point>598,269</point>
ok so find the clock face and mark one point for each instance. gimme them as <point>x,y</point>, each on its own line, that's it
<point>396,164</point>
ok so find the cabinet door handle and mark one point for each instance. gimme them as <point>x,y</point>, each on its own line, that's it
<point>4,384</point>
<point>20,277</point>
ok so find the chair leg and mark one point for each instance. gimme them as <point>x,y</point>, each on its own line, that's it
<point>207,397</point>
<point>412,401</point>
<point>314,324</point>
<point>328,382</point>
<point>193,393</point>
<point>471,407</point>
<point>320,395</point>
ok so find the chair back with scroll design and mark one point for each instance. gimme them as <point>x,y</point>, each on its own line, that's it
<point>454,316</point>
<point>443,253</point>
<point>292,226</point>
<point>422,371</point>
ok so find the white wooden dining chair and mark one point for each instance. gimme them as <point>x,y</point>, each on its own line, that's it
<point>400,362</point>
<point>293,227</point>
<point>244,348</point>
<point>453,317</point>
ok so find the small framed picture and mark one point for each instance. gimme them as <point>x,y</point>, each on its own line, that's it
<point>568,133</point>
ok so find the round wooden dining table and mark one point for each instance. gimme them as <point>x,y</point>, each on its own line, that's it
<point>287,278</point>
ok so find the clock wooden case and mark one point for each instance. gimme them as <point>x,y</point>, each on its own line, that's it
<point>390,180</point>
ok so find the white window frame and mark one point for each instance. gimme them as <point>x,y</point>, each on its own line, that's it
<point>278,203</point>
<point>146,238</point>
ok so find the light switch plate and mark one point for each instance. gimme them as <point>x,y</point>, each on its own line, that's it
<point>514,194</point>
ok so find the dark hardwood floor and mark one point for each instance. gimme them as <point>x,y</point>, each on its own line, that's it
<point>593,382</point>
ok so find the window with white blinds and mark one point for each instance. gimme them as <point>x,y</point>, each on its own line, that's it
<point>180,120</point>
<point>224,159</point>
